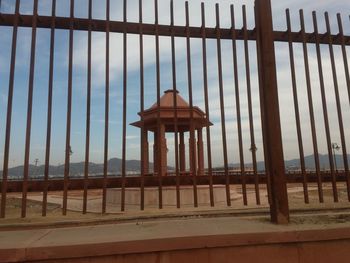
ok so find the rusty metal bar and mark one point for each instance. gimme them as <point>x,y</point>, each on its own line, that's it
<point>69,111</point>
<point>115,181</point>
<point>49,110</point>
<point>337,97</point>
<point>311,109</point>
<point>279,208</point>
<point>206,101</point>
<point>261,100</point>
<point>222,106</point>
<point>296,109</point>
<point>325,111</point>
<point>105,154</point>
<point>250,107</point>
<point>347,77</point>
<point>142,106</point>
<point>125,86</point>
<point>163,30</point>
<point>88,114</point>
<point>9,111</point>
<point>192,128</point>
<point>176,138</point>
<point>159,128</point>
<point>29,113</point>
<point>343,43</point>
<point>238,107</point>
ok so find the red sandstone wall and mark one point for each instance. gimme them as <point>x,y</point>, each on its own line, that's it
<point>337,251</point>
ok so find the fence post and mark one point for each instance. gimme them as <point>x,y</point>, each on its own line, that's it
<point>279,209</point>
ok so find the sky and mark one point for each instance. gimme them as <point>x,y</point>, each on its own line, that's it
<point>37,150</point>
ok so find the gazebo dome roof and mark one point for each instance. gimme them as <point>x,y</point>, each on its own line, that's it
<point>167,100</point>
<point>186,116</point>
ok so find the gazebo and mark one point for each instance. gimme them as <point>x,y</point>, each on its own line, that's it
<point>188,119</point>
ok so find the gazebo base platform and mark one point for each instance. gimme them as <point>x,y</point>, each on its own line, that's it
<point>133,195</point>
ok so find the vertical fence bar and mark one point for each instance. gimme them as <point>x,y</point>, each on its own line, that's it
<point>142,196</point>
<point>125,75</point>
<point>324,106</point>
<point>29,112</point>
<point>192,128</point>
<point>343,48</point>
<point>49,109</point>
<point>311,109</point>
<point>250,107</point>
<point>262,119</point>
<point>159,129</point>
<point>69,110</point>
<point>222,105</point>
<point>238,106</point>
<point>173,60</point>
<point>347,77</point>
<point>206,101</point>
<point>88,113</point>
<point>279,208</point>
<point>296,109</point>
<point>105,155</point>
<point>9,111</point>
<point>336,91</point>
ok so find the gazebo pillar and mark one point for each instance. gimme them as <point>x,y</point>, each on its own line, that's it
<point>182,153</point>
<point>145,164</point>
<point>200,152</point>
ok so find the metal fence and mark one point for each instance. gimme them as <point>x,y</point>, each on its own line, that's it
<point>273,174</point>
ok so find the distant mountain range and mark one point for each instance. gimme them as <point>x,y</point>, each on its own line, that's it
<point>77,169</point>
<point>309,163</point>
<point>133,166</point>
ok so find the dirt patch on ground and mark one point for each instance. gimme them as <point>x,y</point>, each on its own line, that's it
<point>321,219</point>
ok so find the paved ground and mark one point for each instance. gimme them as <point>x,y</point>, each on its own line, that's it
<point>54,212</point>
<point>134,231</point>
<point>147,235</point>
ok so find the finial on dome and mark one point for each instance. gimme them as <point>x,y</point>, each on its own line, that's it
<point>171,90</point>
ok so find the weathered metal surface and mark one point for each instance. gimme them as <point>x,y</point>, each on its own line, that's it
<point>325,109</point>
<point>125,90</point>
<point>296,109</point>
<point>222,105</point>
<point>106,131</point>
<point>69,110</point>
<point>163,30</point>
<point>49,109</point>
<point>186,179</point>
<point>9,111</point>
<point>194,119</point>
<point>179,158</point>
<point>311,109</point>
<point>279,206</point>
<point>238,106</point>
<point>253,148</point>
<point>29,111</point>
<point>206,102</point>
<point>88,112</point>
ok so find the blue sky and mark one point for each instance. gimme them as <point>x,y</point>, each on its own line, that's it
<point>98,60</point>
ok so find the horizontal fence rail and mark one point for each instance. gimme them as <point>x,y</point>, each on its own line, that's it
<point>248,113</point>
<point>96,182</point>
<point>163,30</point>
